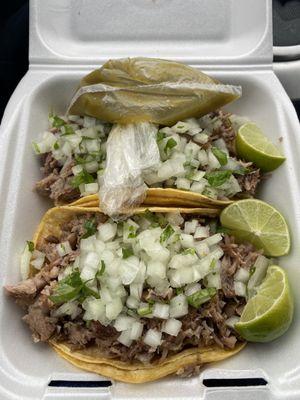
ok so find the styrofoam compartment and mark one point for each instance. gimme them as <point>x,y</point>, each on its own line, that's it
<point>231,39</point>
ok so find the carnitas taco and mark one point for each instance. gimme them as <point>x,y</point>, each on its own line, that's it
<point>198,161</point>
<point>156,294</point>
<point>193,157</point>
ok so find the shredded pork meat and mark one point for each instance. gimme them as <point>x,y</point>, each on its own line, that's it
<point>57,183</point>
<point>200,327</point>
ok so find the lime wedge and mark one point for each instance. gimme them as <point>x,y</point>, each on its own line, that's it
<point>252,145</point>
<point>259,223</point>
<point>269,313</point>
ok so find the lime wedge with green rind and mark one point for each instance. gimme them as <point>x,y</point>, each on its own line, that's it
<point>259,223</point>
<point>269,313</point>
<point>253,145</point>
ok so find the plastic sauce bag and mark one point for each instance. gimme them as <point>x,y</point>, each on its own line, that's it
<point>131,150</point>
<point>147,89</point>
<point>140,92</point>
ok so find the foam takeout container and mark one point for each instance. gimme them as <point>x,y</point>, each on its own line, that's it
<point>232,41</point>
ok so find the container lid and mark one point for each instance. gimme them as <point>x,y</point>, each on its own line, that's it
<point>202,32</point>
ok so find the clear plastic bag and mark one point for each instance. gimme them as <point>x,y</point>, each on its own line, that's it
<point>131,150</point>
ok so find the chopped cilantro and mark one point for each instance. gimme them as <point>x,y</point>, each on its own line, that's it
<point>160,136</point>
<point>101,270</point>
<point>71,287</point>
<point>132,232</point>
<point>90,228</point>
<point>166,234</point>
<point>241,171</point>
<point>56,121</point>
<point>56,146</point>
<point>127,252</point>
<point>170,144</point>
<point>220,155</point>
<point>82,177</point>
<point>217,178</point>
<point>30,245</point>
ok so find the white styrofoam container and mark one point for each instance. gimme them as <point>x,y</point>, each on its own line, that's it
<point>231,39</point>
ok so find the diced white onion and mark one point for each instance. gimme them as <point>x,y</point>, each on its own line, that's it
<point>190,226</point>
<point>156,269</point>
<point>125,339</point>
<point>242,275</point>
<point>183,183</point>
<point>91,188</point>
<point>136,290</point>
<point>232,321</point>
<point>213,162</point>
<point>214,280</point>
<point>174,218</point>
<point>107,231</point>
<point>172,327</point>
<point>70,308</point>
<point>214,239</point>
<point>123,323</point>
<point>132,302</point>
<point>38,262</point>
<point>77,169</point>
<point>129,269</point>
<point>63,248</point>
<point>201,232</point>
<point>192,288</point>
<point>136,330</point>
<point>186,240</point>
<point>161,310</point>
<point>25,262</point>
<point>178,306</point>
<point>114,308</point>
<point>240,289</point>
<point>152,338</point>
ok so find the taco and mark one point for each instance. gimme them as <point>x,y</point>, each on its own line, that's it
<point>156,294</point>
<point>198,162</point>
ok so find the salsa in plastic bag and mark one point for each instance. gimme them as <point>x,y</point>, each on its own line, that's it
<point>148,89</point>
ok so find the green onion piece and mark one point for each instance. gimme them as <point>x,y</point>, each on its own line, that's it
<point>30,245</point>
<point>166,234</point>
<point>221,229</point>
<point>241,171</point>
<point>90,228</point>
<point>132,232</point>
<point>36,148</point>
<point>201,296</point>
<point>127,252</point>
<point>82,177</point>
<point>68,130</point>
<point>160,136</point>
<point>190,250</point>
<point>170,144</point>
<point>217,178</point>
<point>144,311</point>
<point>220,155</point>
<point>56,121</point>
<point>101,270</point>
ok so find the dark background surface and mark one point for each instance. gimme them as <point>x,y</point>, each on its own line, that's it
<point>14,30</point>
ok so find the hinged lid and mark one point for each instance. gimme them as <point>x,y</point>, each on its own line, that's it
<point>203,32</point>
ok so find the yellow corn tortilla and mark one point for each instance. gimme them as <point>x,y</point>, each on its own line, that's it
<point>166,198</point>
<point>139,373</point>
<point>91,359</point>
